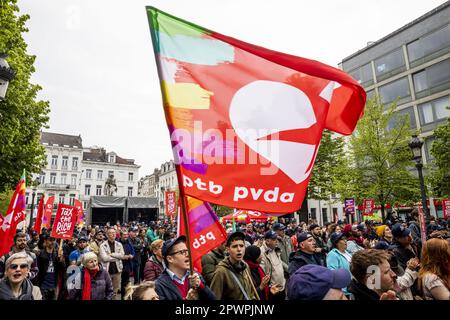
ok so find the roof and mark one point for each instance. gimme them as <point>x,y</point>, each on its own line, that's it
<point>408,25</point>
<point>61,140</point>
<point>100,155</point>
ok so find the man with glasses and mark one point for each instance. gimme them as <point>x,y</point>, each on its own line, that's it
<point>15,285</point>
<point>176,282</point>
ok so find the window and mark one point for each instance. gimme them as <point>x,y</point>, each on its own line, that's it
<point>395,120</point>
<point>99,174</point>
<point>313,213</point>
<point>428,143</point>
<point>98,190</point>
<point>335,214</point>
<point>74,163</point>
<point>63,178</point>
<point>434,110</point>
<point>84,204</point>
<point>130,191</point>
<point>54,162</point>
<point>65,161</point>
<point>88,173</point>
<point>42,179</point>
<point>111,158</point>
<point>87,189</point>
<point>390,64</point>
<point>433,79</point>
<point>324,215</point>
<point>27,195</point>
<point>110,173</point>
<point>73,180</point>
<point>53,178</point>
<point>429,47</point>
<point>363,75</point>
<point>369,94</point>
<point>72,199</point>
<point>62,196</point>
<point>394,90</point>
<point>130,176</point>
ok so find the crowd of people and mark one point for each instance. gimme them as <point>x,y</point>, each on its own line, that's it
<point>271,261</point>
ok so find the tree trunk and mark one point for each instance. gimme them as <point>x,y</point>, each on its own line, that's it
<point>383,216</point>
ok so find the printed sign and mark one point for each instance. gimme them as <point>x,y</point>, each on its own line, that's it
<point>64,224</point>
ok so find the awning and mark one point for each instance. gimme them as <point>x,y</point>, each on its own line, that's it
<point>108,202</point>
<point>142,202</point>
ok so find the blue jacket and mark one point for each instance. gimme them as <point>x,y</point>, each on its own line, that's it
<point>335,260</point>
<point>167,290</point>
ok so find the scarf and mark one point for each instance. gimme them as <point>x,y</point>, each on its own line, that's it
<point>262,274</point>
<point>88,274</point>
<point>7,294</point>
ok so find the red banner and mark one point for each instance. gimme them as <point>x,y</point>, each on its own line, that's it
<point>48,210</point>
<point>40,213</point>
<point>446,208</point>
<point>80,217</point>
<point>205,230</point>
<point>423,226</point>
<point>246,122</point>
<point>171,203</point>
<point>66,217</point>
<point>369,205</point>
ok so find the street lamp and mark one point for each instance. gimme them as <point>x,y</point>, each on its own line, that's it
<point>416,147</point>
<point>6,75</point>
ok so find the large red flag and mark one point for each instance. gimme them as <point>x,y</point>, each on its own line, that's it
<point>15,214</point>
<point>246,122</point>
<point>80,217</point>
<point>40,213</point>
<point>48,210</point>
<point>205,230</point>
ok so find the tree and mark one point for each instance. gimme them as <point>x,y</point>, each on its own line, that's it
<point>329,159</point>
<point>380,158</point>
<point>221,211</point>
<point>439,177</point>
<point>22,116</point>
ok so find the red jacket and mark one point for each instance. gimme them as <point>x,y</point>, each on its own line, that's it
<point>153,268</point>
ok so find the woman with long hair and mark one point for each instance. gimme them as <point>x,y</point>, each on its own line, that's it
<point>434,274</point>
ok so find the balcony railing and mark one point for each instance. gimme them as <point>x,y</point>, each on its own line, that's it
<point>59,186</point>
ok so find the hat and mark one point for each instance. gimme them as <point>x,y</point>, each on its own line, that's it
<point>134,229</point>
<point>340,222</point>
<point>312,282</point>
<point>303,236</point>
<point>313,226</point>
<point>382,245</point>
<point>34,233</point>
<point>347,229</point>
<point>82,238</point>
<point>399,231</point>
<point>235,235</point>
<point>361,227</point>
<point>336,236</point>
<point>278,226</point>
<point>380,230</point>
<point>270,235</point>
<point>170,243</point>
<point>46,236</point>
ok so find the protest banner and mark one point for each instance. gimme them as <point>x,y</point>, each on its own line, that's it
<point>64,223</point>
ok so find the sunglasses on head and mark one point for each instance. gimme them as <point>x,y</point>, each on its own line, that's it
<point>22,266</point>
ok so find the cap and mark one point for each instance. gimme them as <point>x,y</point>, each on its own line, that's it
<point>399,231</point>
<point>46,236</point>
<point>313,226</point>
<point>235,235</point>
<point>303,236</point>
<point>34,233</point>
<point>347,229</point>
<point>170,243</point>
<point>270,235</point>
<point>278,226</point>
<point>312,282</point>
<point>336,236</point>
<point>382,245</point>
<point>82,238</point>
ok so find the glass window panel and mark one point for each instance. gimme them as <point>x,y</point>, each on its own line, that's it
<point>426,113</point>
<point>389,62</point>
<point>438,73</point>
<point>441,107</point>
<point>394,90</point>
<point>420,81</point>
<point>398,115</point>
<point>429,44</point>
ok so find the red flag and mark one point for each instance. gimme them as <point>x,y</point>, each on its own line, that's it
<point>80,218</point>
<point>423,226</point>
<point>40,213</point>
<point>446,208</point>
<point>15,214</point>
<point>246,122</point>
<point>205,230</point>
<point>369,204</point>
<point>64,224</point>
<point>171,203</point>
<point>48,210</point>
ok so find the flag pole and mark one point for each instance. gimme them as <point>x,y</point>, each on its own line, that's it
<point>185,217</point>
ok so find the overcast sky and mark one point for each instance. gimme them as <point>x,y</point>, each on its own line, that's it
<point>96,66</point>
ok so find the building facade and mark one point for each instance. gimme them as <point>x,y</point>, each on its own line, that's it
<point>73,172</point>
<point>167,181</point>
